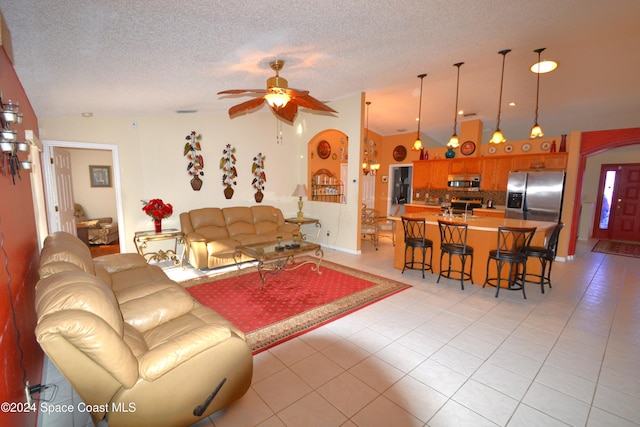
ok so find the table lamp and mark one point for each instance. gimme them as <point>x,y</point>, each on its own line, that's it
<point>300,192</point>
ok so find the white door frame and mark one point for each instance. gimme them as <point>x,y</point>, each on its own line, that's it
<point>392,168</point>
<point>49,182</point>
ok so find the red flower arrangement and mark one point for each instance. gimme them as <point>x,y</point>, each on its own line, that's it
<point>157,209</point>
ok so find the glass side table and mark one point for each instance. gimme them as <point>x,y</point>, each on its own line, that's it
<point>142,238</point>
<point>306,221</point>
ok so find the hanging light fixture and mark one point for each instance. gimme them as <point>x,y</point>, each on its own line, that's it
<point>454,142</point>
<point>365,165</point>
<point>497,137</point>
<point>417,145</point>
<point>536,130</point>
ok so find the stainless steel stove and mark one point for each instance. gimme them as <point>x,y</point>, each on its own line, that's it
<point>461,204</point>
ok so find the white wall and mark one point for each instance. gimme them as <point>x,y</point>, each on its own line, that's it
<point>153,166</point>
<point>97,202</point>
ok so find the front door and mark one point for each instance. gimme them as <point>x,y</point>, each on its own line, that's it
<point>626,221</point>
<point>618,213</point>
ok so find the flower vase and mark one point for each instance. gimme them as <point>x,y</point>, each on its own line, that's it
<point>450,154</point>
<point>157,223</point>
<point>258,196</point>
<point>563,143</point>
<point>228,192</point>
<point>196,183</point>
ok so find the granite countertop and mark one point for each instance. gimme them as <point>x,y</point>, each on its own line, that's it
<point>480,223</point>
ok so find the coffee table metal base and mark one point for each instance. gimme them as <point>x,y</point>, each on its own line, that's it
<point>284,260</point>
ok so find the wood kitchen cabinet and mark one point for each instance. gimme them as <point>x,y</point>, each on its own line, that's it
<point>430,174</point>
<point>495,173</point>
<point>540,161</point>
<point>464,166</point>
<point>413,208</point>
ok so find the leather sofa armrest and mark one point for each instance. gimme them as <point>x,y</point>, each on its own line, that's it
<point>197,253</point>
<point>168,355</point>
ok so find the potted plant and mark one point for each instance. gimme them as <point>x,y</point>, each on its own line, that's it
<point>158,210</point>
<point>229,173</point>
<point>259,176</point>
<point>196,162</point>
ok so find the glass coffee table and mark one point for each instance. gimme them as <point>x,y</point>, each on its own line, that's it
<point>280,255</point>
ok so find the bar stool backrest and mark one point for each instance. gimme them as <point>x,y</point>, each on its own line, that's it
<point>552,244</point>
<point>514,240</point>
<point>453,233</point>
<point>415,230</point>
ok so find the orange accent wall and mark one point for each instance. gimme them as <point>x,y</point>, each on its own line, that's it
<point>19,256</point>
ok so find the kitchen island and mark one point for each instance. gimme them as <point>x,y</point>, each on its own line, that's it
<point>482,236</point>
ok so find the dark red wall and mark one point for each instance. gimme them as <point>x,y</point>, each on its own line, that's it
<point>18,266</point>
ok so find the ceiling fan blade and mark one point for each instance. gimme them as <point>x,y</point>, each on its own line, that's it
<point>310,102</point>
<point>245,106</point>
<point>287,113</point>
<point>239,91</point>
<point>296,92</point>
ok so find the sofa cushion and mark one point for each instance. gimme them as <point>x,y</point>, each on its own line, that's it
<point>225,247</point>
<point>207,217</point>
<point>239,220</point>
<point>157,308</point>
<point>64,252</point>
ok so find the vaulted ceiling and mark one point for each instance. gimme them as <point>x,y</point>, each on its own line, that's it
<point>128,57</point>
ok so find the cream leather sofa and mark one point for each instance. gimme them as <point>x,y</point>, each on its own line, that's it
<point>212,234</point>
<point>134,345</point>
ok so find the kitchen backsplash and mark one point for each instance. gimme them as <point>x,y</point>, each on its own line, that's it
<point>420,195</point>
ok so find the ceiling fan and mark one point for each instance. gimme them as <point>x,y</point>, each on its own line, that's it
<point>284,102</point>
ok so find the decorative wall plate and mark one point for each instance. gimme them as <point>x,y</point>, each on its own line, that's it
<point>508,148</point>
<point>492,149</point>
<point>526,147</point>
<point>399,153</point>
<point>324,149</point>
<point>334,156</point>
<point>545,146</point>
<point>467,148</point>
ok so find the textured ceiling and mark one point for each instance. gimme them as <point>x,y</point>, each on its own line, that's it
<point>141,57</point>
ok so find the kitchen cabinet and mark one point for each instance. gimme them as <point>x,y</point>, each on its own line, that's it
<point>540,161</point>
<point>490,213</point>
<point>495,173</point>
<point>414,208</point>
<point>431,174</point>
<point>464,166</point>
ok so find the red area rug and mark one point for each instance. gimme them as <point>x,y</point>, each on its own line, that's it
<point>291,302</point>
<point>614,247</point>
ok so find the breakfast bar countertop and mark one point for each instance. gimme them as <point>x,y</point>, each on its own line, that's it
<point>480,223</point>
<point>482,236</point>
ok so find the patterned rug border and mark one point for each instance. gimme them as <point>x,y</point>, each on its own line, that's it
<point>603,247</point>
<point>268,336</point>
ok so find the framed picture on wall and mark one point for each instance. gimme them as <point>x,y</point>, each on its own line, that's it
<point>100,176</point>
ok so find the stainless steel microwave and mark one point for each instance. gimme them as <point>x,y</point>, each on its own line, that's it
<point>463,182</point>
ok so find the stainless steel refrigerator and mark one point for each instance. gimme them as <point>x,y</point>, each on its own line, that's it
<point>535,195</point>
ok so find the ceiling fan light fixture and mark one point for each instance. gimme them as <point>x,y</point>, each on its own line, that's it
<point>498,137</point>
<point>536,130</point>
<point>277,100</point>
<point>417,145</point>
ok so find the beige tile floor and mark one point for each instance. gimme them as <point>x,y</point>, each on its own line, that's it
<point>435,355</point>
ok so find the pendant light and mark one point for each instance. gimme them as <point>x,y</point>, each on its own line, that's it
<point>497,137</point>
<point>454,142</point>
<point>536,130</point>
<point>417,146</point>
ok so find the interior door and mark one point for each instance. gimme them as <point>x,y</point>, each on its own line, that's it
<point>626,218</point>
<point>64,207</point>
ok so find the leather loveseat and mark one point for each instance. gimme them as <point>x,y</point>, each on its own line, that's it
<point>212,234</point>
<point>135,346</point>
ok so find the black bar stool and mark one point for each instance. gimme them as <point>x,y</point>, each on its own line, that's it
<point>453,241</point>
<point>546,255</point>
<point>513,243</point>
<point>415,236</point>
